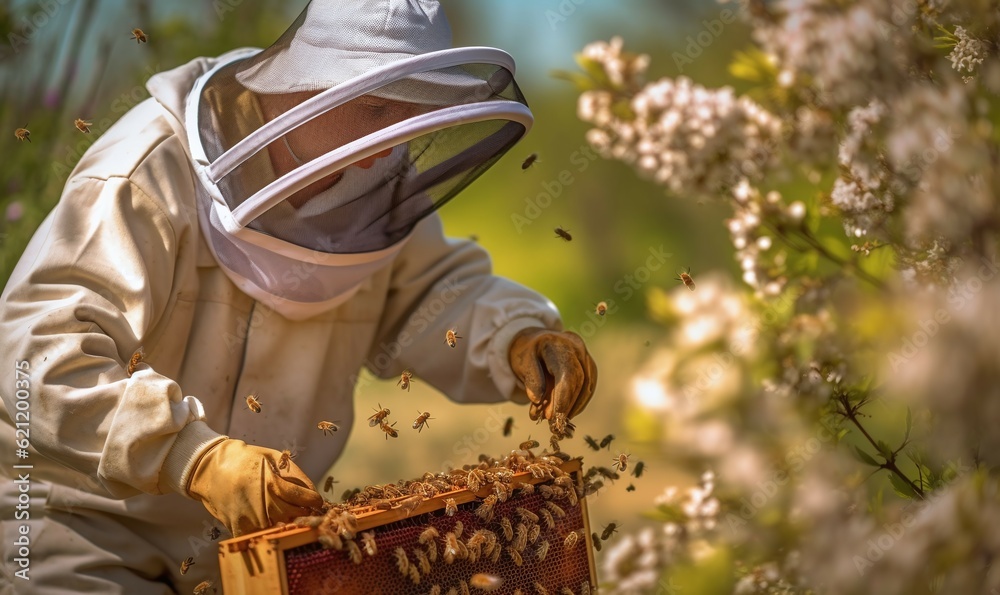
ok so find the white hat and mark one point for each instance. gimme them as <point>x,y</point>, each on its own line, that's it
<point>334,41</point>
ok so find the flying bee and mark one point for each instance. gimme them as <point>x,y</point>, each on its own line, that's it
<point>528,444</point>
<point>328,486</point>
<point>606,441</point>
<point>327,427</point>
<point>451,338</point>
<point>450,507</point>
<point>685,278</point>
<point>591,442</point>
<point>286,459</point>
<point>421,421</point>
<point>531,159</point>
<point>639,467</point>
<point>564,234</point>
<point>485,582</point>
<point>601,308</point>
<point>610,530</point>
<point>214,533</point>
<point>186,565</point>
<point>630,488</point>
<point>379,415</point>
<point>508,426</point>
<point>404,380</point>
<point>139,36</point>
<point>571,539</point>
<point>596,541</point>
<point>621,462</point>
<point>23,134</point>
<point>389,430</point>
<point>253,403</point>
<point>134,361</point>
<point>203,587</point>
<point>83,125</point>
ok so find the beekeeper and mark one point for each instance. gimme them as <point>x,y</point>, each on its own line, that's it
<point>265,224</point>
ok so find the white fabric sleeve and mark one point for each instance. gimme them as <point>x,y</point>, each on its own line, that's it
<point>440,284</point>
<point>94,280</point>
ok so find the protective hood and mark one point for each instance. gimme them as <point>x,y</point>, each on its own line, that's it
<point>319,155</point>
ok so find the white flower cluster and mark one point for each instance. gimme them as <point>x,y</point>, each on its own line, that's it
<point>691,139</point>
<point>843,48</point>
<point>699,506</point>
<point>968,53</point>
<point>862,192</point>
<point>761,268</point>
<point>622,69</point>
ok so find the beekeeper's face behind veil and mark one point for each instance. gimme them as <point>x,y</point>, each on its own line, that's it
<point>320,154</point>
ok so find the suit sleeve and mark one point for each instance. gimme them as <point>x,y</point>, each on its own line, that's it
<point>94,279</point>
<point>439,284</point>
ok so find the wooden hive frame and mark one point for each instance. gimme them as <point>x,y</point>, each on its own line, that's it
<point>254,564</point>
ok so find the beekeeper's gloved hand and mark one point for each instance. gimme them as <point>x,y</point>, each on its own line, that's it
<point>242,487</point>
<point>558,373</point>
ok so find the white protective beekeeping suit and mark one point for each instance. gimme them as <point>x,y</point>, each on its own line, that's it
<point>221,227</point>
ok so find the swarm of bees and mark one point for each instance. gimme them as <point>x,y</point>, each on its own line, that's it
<point>82,125</point>
<point>564,234</point>
<point>685,278</point>
<point>139,36</point>
<point>404,380</point>
<point>134,361</point>
<point>327,427</point>
<point>23,134</point>
<point>451,338</point>
<point>253,403</point>
<point>421,421</point>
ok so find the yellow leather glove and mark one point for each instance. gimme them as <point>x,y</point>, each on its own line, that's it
<point>558,373</point>
<point>243,488</point>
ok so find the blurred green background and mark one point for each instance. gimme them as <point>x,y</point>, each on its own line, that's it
<point>63,60</point>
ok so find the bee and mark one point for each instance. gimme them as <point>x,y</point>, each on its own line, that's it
<point>139,36</point>
<point>404,380</point>
<point>450,507</point>
<point>379,415</point>
<point>328,486</point>
<point>421,421</point>
<point>550,523</point>
<point>541,590</point>
<point>508,426</point>
<point>596,541</point>
<point>685,278</point>
<point>528,444</point>
<point>555,509</point>
<point>435,590</point>
<point>609,530</point>
<point>286,459</point>
<point>327,427</point>
<point>203,587</point>
<point>473,237</point>
<point>571,539</point>
<point>402,562</point>
<point>508,530</point>
<point>133,361</point>
<point>630,488</point>
<point>606,441</point>
<point>562,426</point>
<point>542,551</point>
<point>585,588</point>
<point>515,556</point>
<point>464,587</point>
<point>451,549</point>
<point>428,534</point>
<point>214,533</point>
<point>458,529</point>
<point>601,308</point>
<point>485,582</point>
<point>591,443</point>
<point>432,551</point>
<point>533,533</point>
<point>186,565</point>
<point>422,561</point>
<point>564,234</point>
<point>410,504</point>
<point>526,515</point>
<point>485,510</point>
<point>637,470</point>
<point>23,134</point>
<point>529,161</point>
<point>368,541</point>
<point>621,462</point>
<point>414,574</point>
<point>389,430</point>
<point>354,552</point>
<point>83,125</point>
<point>253,403</point>
<point>520,537</point>
<point>451,338</point>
